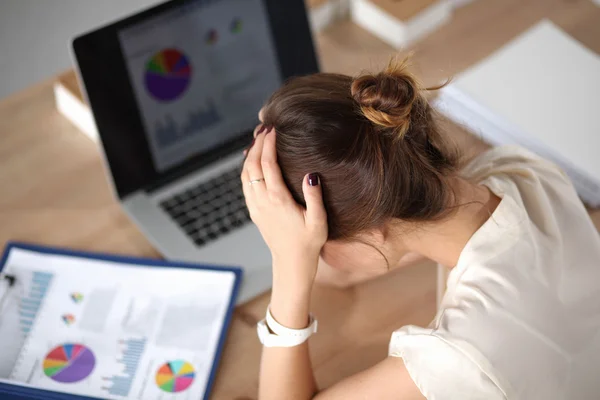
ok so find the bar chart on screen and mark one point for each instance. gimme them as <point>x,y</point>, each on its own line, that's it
<point>121,382</point>
<point>169,131</point>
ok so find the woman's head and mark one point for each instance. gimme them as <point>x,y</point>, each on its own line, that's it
<point>373,140</point>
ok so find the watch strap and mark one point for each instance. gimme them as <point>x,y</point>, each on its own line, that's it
<point>281,330</point>
<point>273,334</point>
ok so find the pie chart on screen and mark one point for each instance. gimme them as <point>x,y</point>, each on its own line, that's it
<point>168,75</point>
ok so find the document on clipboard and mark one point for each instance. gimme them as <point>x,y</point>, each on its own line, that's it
<point>79,325</point>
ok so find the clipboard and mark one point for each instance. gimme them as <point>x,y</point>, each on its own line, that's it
<point>19,390</point>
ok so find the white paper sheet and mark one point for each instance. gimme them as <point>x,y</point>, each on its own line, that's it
<point>114,331</point>
<point>547,85</point>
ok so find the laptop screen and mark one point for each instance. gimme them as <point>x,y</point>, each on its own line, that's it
<point>176,87</point>
<point>200,73</point>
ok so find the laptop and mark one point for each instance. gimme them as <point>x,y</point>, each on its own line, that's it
<point>175,91</point>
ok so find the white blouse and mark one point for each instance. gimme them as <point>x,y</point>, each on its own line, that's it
<point>521,316</point>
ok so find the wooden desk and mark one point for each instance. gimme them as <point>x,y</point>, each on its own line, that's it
<point>54,190</point>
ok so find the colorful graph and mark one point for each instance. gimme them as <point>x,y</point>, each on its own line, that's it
<point>69,363</point>
<point>212,37</point>
<point>236,25</point>
<point>175,376</point>
<point>68,319</point>
<point>77,297</point>
<point>168,74</point>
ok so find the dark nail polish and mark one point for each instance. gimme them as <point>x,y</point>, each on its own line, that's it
<point>313,179</point>
<point>261,130</point>
<point>269,129</point>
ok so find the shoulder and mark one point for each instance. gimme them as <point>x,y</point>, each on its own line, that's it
<point>540,188</point>
<point>446,367</point>
<point>515,162</point>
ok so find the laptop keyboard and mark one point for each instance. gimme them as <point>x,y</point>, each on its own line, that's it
<point>211,209</point>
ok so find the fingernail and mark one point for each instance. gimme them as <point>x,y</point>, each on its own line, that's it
<point>261,130</point>
<point>313,179</point>
<point>269,129</point>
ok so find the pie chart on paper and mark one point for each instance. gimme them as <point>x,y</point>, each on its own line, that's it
<point>168,75</point>
<point>175,376</point>
<point>69,363</point>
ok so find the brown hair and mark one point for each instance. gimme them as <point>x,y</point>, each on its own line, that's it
<point>373,140</point>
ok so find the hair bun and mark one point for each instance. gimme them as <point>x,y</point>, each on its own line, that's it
<point>386,99</point>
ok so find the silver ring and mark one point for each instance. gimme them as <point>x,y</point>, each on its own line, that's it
<point>253,181</point>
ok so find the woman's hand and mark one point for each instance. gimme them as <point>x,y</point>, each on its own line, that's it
<point>294,235</point>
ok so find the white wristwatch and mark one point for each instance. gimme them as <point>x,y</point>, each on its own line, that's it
<point>282,336</point>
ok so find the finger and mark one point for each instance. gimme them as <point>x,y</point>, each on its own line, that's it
<point>316,215</point>
<point>249,147</point>
<point>246,187</point>
<point>253,164</point>
<point>273,177</point>
<point>260,128</point>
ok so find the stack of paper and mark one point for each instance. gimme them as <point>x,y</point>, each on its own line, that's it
<point>71,104</point>
<point>325,12</point>
<point>400,22</point>
<point>541,91</point>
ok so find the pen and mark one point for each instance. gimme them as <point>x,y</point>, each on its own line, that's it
<point>10,279</point>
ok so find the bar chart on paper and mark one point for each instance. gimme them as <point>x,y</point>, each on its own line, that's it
<point>121,381</point>
<point>33,299</point>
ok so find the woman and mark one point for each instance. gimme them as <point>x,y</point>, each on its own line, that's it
<point>356,172</point>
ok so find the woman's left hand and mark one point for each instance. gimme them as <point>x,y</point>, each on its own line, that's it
<point>295,235</point>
